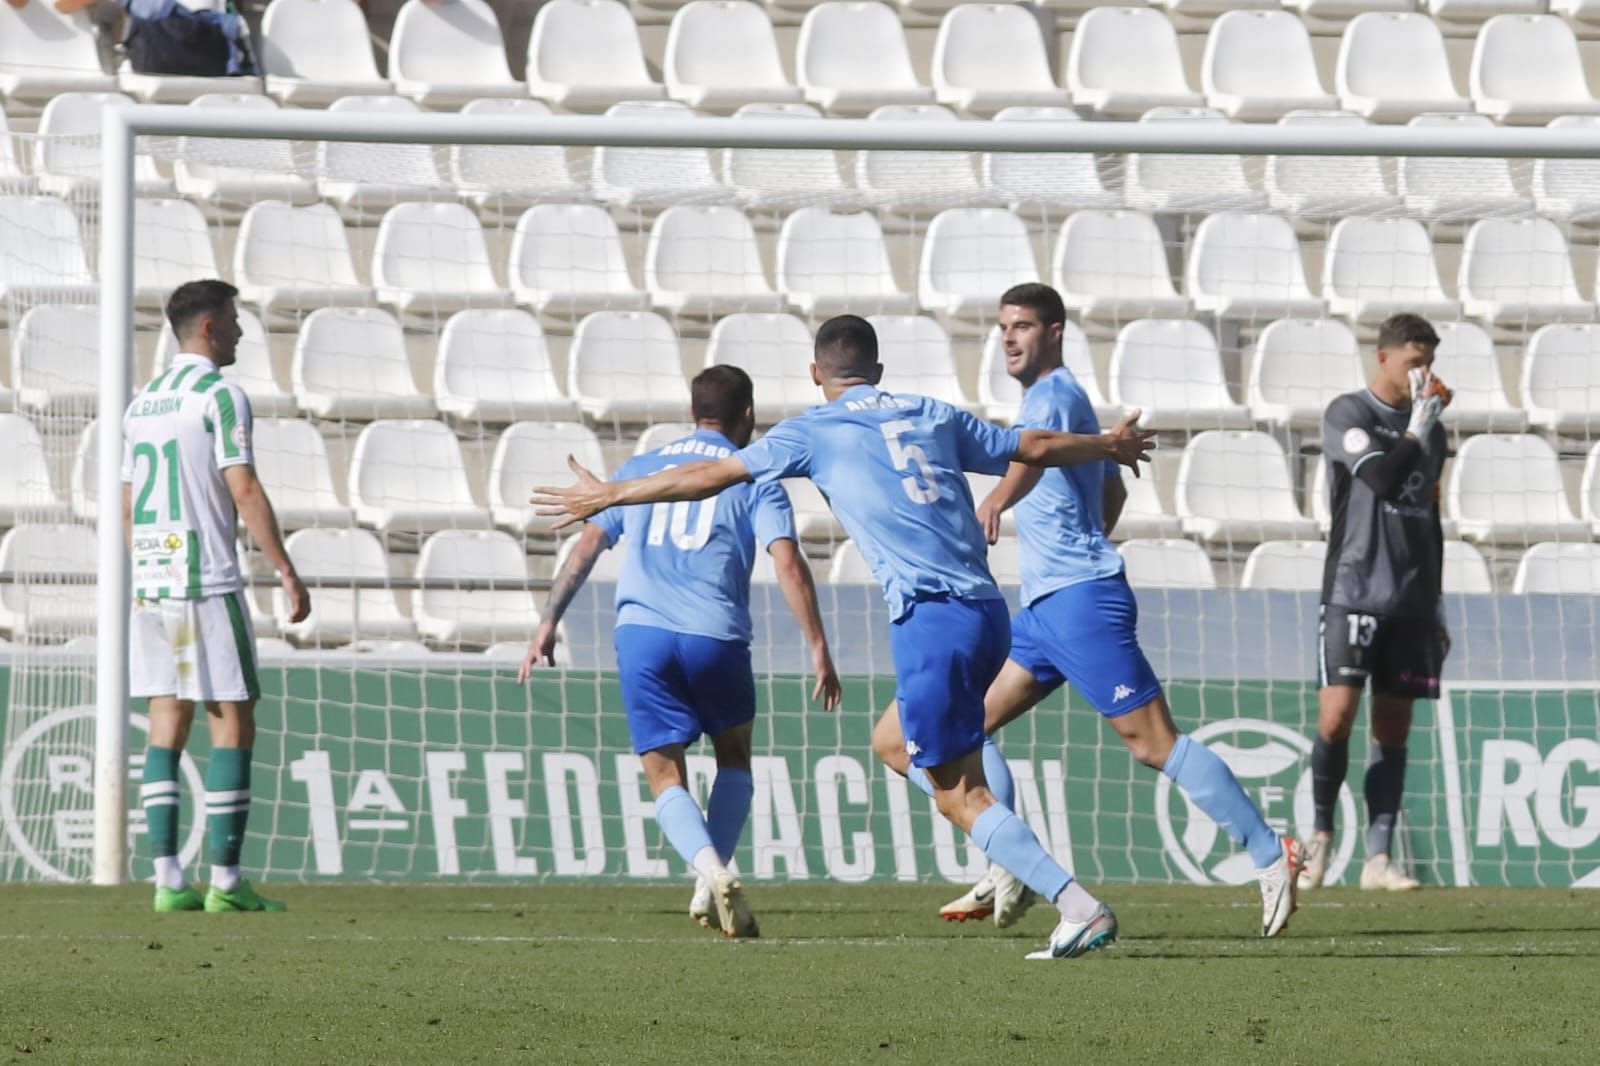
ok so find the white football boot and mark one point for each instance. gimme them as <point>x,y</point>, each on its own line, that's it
<point>1280,889</point>
<point>733,913</point>
<point>1012,898</point>
<point>977,903</point>
<point>1381,873</point>
<point>1315,852</point>
<point>1072,939</point>
<point>702,908</point>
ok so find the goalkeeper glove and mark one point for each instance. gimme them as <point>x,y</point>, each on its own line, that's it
<point>1426,407</point>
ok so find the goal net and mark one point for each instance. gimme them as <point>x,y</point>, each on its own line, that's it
<point>435,317</point>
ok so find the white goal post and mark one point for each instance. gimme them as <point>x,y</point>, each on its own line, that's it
<point>123,127</point>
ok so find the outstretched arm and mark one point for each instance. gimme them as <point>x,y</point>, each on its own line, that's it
<point>568,580</point>
<point>1127,445</point>
<point>800,592</point>
<point>588,496</point>
<point>1019,481</point>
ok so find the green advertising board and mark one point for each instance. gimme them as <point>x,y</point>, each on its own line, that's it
<point>412,773</point>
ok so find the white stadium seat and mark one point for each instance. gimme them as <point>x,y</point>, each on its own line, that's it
<point>292,462</point>
<point>662,434</point>
<point>64,604</point>
<point>1376,267</point>
<point>1172,371</point>
<point>1167,563</point>
<point>315,51</point>
<point>171,246</point>
<point>1326,15</point>
<point>1165,182</point>
<point>917,358</point>
<point>44,54</point>
<point>722,53</point>
<point>364,180</point>
<point>704,261</point>
<point>1301,365</point>
<point>1000,395</point>
<point>624,366</point>
<point>42,255</point>
<point>66,154</point>
<point>1526,69</point>
<point>1035,180</point>
<point>55,359</point>
<point>1258,65</point>
<point>14,180</point>
<point>1125,61</point>
<point>451,617</point>
<point>775,350</point>
<point>351,363</point>
<point>655,177</point>
<point>26,493</point>
<point>586,54</point>
<point>235,171</point>
<point>289,260</point>
<point>1561,379</point>
<point>849,566</point>
<point>779,178</point>
<point>969,257</point>
<point>1568,190</point>
<point>830,263</point>
<point>1553,569</point>
<point>1392,66</point>
<point>1589,490</point>
<point>252,368</point>
<point>992,56</point>
<point>1462,16</point>
<point>1508,489</point>
<point>1467,361</point>
<point>1516,273</point>
<point>433,259</point>
<point>1234,488</point>
<point>813,518</point>
<point>1112,266</point>
<point>1466,572</point>
<point>442,55</point>
<point>535,453</point>
<point>1325,188</point>
<point>342,614</point>
<point>852,57</point>
<point>408,476</point>
<point>1321,507</point>
<point>1290,565</point>
<point>506,179</point>
<point>897,179</point>
<point>1248,267</point>
<point>84,481</point>
<point>493,366</point>
<point>1458,190</point>
<point>1143,513</point>
<point>569,258</point>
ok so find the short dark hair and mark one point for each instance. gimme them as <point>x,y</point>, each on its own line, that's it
<point>1406,328</point>
<point>1039,298</point>
<point>721,394</point>
<point>195,298</point>
<point>846,346</point>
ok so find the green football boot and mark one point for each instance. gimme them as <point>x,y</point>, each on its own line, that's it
<point>243,898</point>
<point>186,898</point>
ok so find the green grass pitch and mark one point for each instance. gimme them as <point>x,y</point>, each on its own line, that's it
<point>559,974</point>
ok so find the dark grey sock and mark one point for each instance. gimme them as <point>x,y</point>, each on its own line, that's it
<point>1386,780</point>
<point>1330,761</point>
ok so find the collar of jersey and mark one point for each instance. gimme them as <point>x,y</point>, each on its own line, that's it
<point>1375,398</point>
<point>854,392</point>
<point>190,357</point>
<point>715,436</point>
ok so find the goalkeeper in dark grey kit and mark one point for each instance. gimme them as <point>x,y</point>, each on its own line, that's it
<point>1381,618</point>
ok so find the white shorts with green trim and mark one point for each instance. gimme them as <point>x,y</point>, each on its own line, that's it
<point>201,649</point>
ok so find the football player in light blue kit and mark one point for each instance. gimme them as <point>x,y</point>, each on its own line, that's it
<point>683,634</point>
<point>891,466</point>
<point>1079,623</point>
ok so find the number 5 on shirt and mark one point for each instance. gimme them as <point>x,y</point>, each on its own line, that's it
<point>910,455</point>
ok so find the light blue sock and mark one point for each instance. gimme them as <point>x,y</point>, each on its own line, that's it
<point>1207,781</point>
<point>1007,840</point>
<point>998,773</point>
<point>728,809</point>
<point>919,777</point>
<point>680,819</point>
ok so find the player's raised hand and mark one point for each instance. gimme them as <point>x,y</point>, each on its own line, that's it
<point>542,646</point>
<point>827,689</point>
<point>299,596</point>
<point>1131,445</point>
<point>581,500</point>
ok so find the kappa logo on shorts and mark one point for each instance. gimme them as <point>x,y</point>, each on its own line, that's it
<point>1273,764</point>
<point>1120,693</point>
<point>913,748</point>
